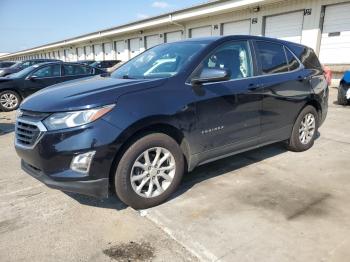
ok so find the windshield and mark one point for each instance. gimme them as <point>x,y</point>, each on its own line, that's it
<point>162,61</point>
<point>23,72</point>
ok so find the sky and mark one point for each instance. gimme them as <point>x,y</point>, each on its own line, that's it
<point>29,23</point>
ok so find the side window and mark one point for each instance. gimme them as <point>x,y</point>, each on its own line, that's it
<point>272,58</point>
<point>71,70</point>
<point>234,57</point>
<point>48,71</point>
<point>292,61</point>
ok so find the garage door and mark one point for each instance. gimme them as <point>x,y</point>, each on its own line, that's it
<point>89,53</point>
<point>152,40</point>
<point>287,26</point>
<point>200,31</point>
<point>121,52</point>
<point>81,54</point>
<point>134,47</point>
<point>69,55</point>
<point>98,52</point>
<point>335,42</point>
<point>173,36</point>
<point>236,28</point>
<point>109,52</point>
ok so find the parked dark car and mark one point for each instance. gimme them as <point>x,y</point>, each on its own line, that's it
<point>5,64</point>
<point>344,89</point>
<point>17,86</point>
<point>105,64</point>
<point>166,111</point>
<point>22,65</point>
<point>86,62</point>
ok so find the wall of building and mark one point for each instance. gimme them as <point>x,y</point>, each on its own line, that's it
<point>311,31</point>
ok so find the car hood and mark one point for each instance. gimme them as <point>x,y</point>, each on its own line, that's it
<point>85,93</point>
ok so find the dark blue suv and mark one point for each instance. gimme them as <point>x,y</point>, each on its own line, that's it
<point>168,110</point>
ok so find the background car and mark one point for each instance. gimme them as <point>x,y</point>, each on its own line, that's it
<point>105,64</point>
<point>22,65</point>
<point>344,89</point>
<point>17,86</point>
<point>5,64</point>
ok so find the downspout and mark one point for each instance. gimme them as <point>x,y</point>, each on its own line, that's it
<point>175,23</point>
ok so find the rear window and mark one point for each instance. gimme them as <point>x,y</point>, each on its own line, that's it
<point>272,58</point>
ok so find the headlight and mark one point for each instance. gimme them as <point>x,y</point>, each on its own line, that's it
<point>1,72</point>
<point>77,118</point>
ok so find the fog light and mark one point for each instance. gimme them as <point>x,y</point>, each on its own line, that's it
<point>81,163</point>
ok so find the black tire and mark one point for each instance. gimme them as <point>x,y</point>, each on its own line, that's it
<point>294,143</point>
<point>10,93</point>
<point>341,97</point>
<point>123,185</point>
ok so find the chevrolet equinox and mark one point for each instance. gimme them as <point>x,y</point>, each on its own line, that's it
<point>166,111</point>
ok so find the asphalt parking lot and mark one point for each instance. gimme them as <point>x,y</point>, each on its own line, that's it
<point>265,205</point>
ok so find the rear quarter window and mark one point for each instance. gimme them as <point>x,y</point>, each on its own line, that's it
<point>307,56</point>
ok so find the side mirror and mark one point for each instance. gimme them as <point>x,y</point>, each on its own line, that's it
<point>209,75</point>
<point>32,78</point>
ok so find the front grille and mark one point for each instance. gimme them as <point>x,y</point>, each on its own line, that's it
<point>26,134</point>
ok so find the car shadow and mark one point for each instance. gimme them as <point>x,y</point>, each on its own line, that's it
<point>226,165</point>
<point>190,179</point>
<point>6,128</point>
<point>112,202</point>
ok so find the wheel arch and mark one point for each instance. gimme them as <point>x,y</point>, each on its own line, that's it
<point>138,130</point>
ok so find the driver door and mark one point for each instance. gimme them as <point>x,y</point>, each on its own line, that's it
<point>43,77</point>
<point>228,112</point>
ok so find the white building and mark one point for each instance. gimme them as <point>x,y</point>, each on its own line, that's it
<point>323,25</point>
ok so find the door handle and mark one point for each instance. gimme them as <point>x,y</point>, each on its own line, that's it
<point>253,87</point>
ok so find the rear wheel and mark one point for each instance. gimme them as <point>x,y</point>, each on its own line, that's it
<point>9,100</point>
<point>304,130</point>
<point>149,171</point>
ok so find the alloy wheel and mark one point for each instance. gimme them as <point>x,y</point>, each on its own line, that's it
<point>153,172</point>
<point>8,101</point>
<point>307,128</point>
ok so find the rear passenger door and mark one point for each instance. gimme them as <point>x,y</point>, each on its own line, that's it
<point>74,71</point>
<point>285,89</point>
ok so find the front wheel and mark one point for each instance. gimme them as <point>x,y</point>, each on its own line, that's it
<point>149,171</point>
<point>304,130</point>
<point>9,100</point>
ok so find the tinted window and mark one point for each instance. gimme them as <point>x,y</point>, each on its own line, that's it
<point>234,57</point>
<point>71,70</point>
<point>292,61</point>
<point>48,71</point>
<point>307,56</point>
<point>272,58</point>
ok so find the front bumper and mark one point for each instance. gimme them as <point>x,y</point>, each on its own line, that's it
<point>49,160</point>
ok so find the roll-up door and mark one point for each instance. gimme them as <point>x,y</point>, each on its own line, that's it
<point>152,40</point>
<point>89,55</point>
<point>121,52</point>
<point>286,26</point>
<point>81,54</point>
<point>173,36</point>
<point>236,28</point>
<point>134,47</point>
<point>109,53</point>
<point>200,31</point>
<point>98,52</point>
<point>335,42</point>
